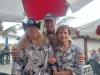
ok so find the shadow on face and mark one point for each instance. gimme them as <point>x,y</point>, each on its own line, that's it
<point>49,25</point>
<point>32,32</point>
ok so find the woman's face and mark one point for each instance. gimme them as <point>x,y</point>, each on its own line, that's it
<point>32,32</point>
<point>63,35</point>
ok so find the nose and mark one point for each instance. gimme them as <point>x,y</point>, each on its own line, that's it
<point>49,24</point>
<point>63,34</point>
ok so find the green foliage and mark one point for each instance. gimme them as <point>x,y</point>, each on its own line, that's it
<point>9,30</point>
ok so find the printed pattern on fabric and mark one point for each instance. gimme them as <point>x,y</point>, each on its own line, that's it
<point>33,61</point>
<point>68,60</point>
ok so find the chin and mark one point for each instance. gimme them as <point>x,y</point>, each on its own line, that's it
<point>62,41</point>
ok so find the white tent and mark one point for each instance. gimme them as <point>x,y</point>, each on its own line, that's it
<point>78,4</point>
<point>89,29</point>
<point>87,14</point>
<point>12,10</point>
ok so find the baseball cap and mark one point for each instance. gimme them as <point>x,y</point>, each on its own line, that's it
<point>49,17</point>
<point>27,22</point>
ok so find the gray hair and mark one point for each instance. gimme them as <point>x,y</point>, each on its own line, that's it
<point>63,27</point>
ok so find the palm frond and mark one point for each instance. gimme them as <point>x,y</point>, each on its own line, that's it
<point>20,28</point>
<point>9,30</point>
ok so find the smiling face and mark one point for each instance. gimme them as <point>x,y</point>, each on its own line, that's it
<point>63,34</point>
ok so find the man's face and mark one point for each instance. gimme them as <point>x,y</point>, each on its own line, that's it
<point>49,25</point>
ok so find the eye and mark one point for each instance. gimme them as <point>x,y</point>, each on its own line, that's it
<point>65,33</point>
<point>60,33</point>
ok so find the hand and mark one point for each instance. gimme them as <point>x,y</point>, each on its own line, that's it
<point>15,52</point>
<point>81,58</point>
<point>52,60</point>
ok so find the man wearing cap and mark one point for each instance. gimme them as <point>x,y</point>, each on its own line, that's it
<point>50,23</point>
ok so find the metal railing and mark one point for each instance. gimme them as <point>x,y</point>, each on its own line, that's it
<point>4,57</point>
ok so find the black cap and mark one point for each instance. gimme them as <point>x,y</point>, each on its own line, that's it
<point>29,22</point>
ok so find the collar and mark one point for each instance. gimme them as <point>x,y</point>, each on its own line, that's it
<point>51,32</point>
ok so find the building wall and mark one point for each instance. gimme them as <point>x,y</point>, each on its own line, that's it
<point>91,44</point>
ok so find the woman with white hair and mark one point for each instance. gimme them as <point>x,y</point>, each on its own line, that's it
<point>66,53</point>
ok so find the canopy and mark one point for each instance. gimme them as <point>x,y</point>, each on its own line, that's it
<point>89,29</point>
<point>12,10</point>
<point>37,9</point>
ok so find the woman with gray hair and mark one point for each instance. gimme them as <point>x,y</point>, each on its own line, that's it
<point>66,54</point>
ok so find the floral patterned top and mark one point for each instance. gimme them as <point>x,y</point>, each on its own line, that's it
<point>68,60</point>
<point>32,61</point>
